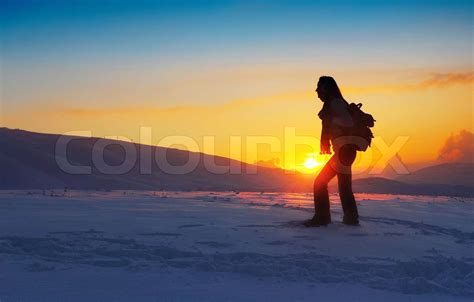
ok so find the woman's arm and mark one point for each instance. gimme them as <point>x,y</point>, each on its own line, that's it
<point>325,145</point>
<point>325,116</point>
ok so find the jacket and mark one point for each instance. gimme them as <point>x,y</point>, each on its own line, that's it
<point>336,121</point>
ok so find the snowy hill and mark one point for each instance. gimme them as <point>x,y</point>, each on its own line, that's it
<point>27,161</point>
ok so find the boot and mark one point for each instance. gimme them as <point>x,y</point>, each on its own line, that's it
<point>317,221</point>
<point>350,219</point>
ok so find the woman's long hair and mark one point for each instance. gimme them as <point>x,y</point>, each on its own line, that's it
<point>333,91</point>
<point>331,86</point>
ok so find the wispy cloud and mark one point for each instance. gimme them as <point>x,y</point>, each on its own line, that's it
<point>437,80</point>
<point>97,112</point>
<point>232,105</point>
<point>447,79</point>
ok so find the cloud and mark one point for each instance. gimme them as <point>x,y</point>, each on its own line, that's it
<point>447,79</point>
<point>217,108</point>
<point>97,112</point>
<point>271,163</point>
<point>458,148</point>
<point>435,80</point>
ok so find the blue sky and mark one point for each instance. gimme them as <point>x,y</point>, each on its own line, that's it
<point>59,31</point>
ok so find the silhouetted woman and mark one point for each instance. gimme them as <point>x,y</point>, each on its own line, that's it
<point>337,124</point>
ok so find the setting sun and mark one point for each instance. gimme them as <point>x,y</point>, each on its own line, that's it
<point>311,163</point>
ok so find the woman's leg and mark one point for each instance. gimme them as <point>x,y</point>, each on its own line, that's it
<point>349,205</point>
<point>321,195</point>
<point>347,156</point>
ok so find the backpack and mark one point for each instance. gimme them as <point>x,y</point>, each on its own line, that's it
<point>362,124</point>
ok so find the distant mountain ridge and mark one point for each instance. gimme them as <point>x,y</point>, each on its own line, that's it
<point>27,161</point>
<point>446,173</point>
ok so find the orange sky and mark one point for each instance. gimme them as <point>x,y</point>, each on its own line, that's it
<point>424,107</point>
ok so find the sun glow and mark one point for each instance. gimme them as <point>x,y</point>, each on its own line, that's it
<point>312,163</point>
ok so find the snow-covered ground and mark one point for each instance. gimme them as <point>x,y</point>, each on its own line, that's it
<point>206,246</point>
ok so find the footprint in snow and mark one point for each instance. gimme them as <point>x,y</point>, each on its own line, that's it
<point>214,244</point>
<point>161,234</point>
<point>190,226</point>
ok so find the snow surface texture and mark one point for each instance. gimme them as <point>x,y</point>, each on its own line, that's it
<point>208,246</point>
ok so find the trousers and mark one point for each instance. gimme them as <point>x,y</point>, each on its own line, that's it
<point>340,165</point>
